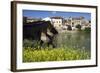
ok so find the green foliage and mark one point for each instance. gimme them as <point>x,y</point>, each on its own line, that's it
<point>78,26</point>
<point>29,43</point>
<point>55,54</point>
<point>69,27</point>
<point>69,46</point>
<point>87,29</point>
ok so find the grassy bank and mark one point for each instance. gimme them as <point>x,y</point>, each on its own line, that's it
<point>55,54</point>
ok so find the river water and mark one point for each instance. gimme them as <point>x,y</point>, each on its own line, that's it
<point>74,39</point>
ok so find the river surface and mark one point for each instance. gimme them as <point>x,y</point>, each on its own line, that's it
<point>74,39</point>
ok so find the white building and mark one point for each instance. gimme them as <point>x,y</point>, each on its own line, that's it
<point>57,22</point>
<point>76,21</point>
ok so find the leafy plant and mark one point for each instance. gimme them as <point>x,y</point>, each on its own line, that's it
<point>78,26</point>
<point>69,27</point>
<point>56,54</point>
<point>31,43</point>
<point>87,29</point>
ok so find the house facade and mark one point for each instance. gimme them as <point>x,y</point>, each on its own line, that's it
<point>74,21</point>
<point>57,22</point>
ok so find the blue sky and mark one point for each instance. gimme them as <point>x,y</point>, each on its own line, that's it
<point>44,14</point>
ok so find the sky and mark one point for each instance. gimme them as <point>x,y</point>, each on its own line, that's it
<point>44,14</point>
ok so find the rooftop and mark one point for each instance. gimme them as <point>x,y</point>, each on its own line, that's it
<point>56,17</point>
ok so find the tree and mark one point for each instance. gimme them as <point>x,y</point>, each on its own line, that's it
<point>69,27</point>
<point>87,29</point>
<point>78,26</point>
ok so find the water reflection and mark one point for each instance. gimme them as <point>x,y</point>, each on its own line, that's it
<point>74,39</point>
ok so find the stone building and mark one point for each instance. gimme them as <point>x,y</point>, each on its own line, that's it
<point>74,21</point>
<point>57,22</point>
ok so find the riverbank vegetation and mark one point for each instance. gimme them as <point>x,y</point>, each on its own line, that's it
<point>54,54</point>
<point>74,45</point>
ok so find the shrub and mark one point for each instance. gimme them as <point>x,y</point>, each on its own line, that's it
<point>78,26</point>
<point>87,29</point>
<point>69,27</point>
<point>31,43</point>
<point>27,43</point>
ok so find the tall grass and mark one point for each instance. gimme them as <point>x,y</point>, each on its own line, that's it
<point>55,54</point>
<point>69,46</point>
